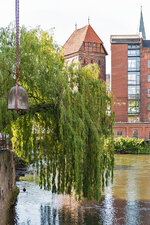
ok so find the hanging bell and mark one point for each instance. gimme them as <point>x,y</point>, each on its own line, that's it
<point>17,98</point>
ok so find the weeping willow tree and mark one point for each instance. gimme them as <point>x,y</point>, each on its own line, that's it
<point>67,133</point>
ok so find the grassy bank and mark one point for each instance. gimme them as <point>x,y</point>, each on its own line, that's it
<point>131,146</point>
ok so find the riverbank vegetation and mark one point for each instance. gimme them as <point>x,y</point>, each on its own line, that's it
<point>67,132</point>
<point>12,202</point>
<point>30,178</point>
<point>131,146</point>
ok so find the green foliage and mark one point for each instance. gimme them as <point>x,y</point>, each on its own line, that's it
<point>12,202</point>
<point>67,133</point>
<point>131,145</point>
<point>30,178</point>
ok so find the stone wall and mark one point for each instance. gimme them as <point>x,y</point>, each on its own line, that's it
<point>7,183</point>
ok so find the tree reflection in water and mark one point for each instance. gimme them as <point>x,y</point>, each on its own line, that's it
<point>127,201</point>
<point>48,215</point>
<point>68,216</point>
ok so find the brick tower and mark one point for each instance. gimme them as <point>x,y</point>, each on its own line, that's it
<point>84,45</point>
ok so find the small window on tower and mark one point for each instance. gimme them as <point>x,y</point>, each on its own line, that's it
<point>84,61</point>
<point>99,62</point>
<point>92,61</point>
<point>148,78</point>
<point>148,63</point>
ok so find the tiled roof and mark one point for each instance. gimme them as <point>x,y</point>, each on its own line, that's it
<point>75,41</point>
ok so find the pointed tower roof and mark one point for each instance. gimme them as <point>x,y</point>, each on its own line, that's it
<point>142,28</point>
<point>75,41</point>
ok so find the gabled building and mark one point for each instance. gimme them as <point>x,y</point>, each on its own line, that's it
<point>84,45</point>
<point>130,83</point>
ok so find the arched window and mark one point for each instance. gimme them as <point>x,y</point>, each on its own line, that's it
<point>84,61</point>
<point>92,61</point>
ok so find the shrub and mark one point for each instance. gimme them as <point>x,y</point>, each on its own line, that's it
<point>131,145</point>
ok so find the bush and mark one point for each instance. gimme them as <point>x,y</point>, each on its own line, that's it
<point>131,145</point>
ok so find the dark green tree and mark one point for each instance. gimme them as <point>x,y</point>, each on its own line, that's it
<point>67,133</point>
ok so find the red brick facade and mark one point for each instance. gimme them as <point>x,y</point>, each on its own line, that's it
<point>145,85</point>
<point>119,65</point>
<point>120,85</point>
<point>128,130</point>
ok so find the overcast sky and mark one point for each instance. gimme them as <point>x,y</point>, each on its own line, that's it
<point>107,17</point>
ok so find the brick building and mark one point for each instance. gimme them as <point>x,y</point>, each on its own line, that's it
<point>130,83</point>
<point>84,45</point>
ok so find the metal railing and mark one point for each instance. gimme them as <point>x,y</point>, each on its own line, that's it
<point>5,143</point>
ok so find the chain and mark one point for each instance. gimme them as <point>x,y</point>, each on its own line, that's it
<point>17,40</point>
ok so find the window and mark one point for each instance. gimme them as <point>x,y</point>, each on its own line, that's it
<point>148,78</point>
<point>133,52</point>
<point>92,61</point>
<point>133,119</point>
<point>133,46</point>
<point>133,83</point>
<point>148,63</point>
<point>133,109</point>
<point>148,106</point>
<point>149,134</point>
<point>133,106</point>
<point>148,92</point>
<point>133,92</point>
<point>119,133</point>
<point>133,63</point>
<point>134,96</point>
<point>99,62</point>
<point>135,133</point>
<point>84,61</point>
<point>134,78</point>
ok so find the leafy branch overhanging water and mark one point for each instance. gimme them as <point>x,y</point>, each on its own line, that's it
<point>67,133</point>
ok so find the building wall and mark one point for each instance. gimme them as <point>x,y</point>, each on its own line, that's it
<point>7,183</point>
<point>145,85</point>
<point>130,63</point>
<point>127,129</point>
<point>119,81</point>
<point>86,58</point>
<point>94,57</point>
<point>73,58</point>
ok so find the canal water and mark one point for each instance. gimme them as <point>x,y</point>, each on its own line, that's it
<point>125,202</point>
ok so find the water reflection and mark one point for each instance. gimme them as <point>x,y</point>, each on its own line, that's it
<point>51,216</point>
<point>126,202</point>
<point>108,213</point>
<point>132,206</point>
<point>48,215</point>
